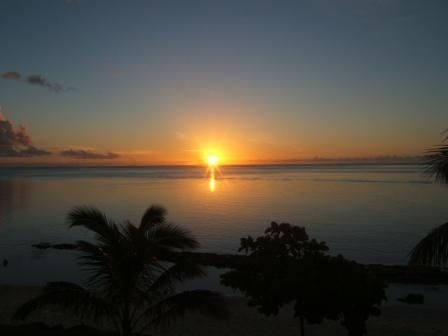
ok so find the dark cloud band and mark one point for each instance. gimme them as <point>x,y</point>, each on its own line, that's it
<point>16,142</point>
<point>87,154</point>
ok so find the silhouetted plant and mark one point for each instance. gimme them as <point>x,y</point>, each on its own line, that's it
<point>436,162</point>
<point>344,290</point>
<point>127,283</point>
<point>285,267</point>
<point>433,249</point>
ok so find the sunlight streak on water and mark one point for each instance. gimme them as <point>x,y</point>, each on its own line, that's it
<point>211,180</point>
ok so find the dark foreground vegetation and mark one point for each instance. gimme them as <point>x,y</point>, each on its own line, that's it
<point>128,286</point>
<point>133,269</point>
<point>284,266</point>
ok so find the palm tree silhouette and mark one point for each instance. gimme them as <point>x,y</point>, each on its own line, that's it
<point>433,249</point>
<point>437,161</point>
<point>128,284</point>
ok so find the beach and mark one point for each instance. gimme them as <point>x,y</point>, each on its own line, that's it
<point>396,320</point>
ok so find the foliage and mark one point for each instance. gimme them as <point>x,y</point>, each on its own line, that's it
<point>285,267</point>
<point>433,249</point>
<point>127,283</point>
<point>436,162</point>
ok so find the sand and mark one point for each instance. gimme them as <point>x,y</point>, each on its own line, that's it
<point>395,320</point>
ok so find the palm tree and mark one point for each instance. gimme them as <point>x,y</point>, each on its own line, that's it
<point>128,283</point>
<point>433,249</point>
<point>437,162</point>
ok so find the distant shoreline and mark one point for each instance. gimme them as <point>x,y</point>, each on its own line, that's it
<point>317,164</point>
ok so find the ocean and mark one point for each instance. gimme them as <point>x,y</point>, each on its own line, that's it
<point>368,213</point>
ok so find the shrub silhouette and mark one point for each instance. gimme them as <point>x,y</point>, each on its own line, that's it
<point>285,267</point>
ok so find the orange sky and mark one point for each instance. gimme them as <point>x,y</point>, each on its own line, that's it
<point>251,81</point>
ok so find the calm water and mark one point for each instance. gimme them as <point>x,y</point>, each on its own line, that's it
<point>373,214</point>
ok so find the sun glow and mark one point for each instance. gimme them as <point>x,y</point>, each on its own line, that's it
<point>212,160</point>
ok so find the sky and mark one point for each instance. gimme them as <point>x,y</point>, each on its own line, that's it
<point>252,81</point>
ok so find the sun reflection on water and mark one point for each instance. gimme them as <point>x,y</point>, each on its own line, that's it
<point>211,181</point>
<point>212,162</point>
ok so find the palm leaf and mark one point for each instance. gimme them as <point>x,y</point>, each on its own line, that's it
<point>433,249</point>
<point>182,270</point>
<point>96,263</point>
<point>154,215</point>
<point>436,162</point>
<point>95,221</point>
<point>170,236</point>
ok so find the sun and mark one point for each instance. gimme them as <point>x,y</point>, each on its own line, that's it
<point>212,160</point>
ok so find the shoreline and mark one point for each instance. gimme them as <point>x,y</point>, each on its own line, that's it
<point>397,320</point>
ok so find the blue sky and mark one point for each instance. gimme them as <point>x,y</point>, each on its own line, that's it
<point>160,81</point>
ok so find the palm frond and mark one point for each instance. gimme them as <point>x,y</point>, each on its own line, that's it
<point>180,271</point>
<point>171,236</point>
<point>95,221</point>
<point>154,215</point>
<point>433,249</point>
<point>94,261</point>
<point>68,297</point>
<point>135,238</point>
<point>436,162</point>
<point>131,231</point>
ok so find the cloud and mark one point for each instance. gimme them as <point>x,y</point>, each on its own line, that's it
<point>11,75</point>
<point>16,142</point>
<point>39,80</point>
<point>34,79</point>
<point>88,154</point>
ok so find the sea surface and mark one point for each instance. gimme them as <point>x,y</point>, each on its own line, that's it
<point>369,213</point>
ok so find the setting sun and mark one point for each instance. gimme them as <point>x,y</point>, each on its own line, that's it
<point>212,160</point>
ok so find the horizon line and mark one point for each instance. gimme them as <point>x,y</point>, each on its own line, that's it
<point>414,160</point>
